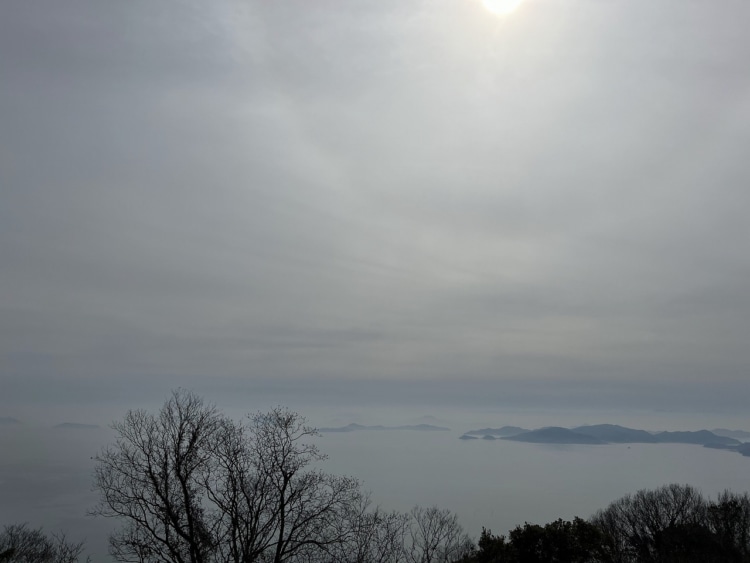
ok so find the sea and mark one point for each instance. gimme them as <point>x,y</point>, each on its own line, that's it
<point>46,472</point>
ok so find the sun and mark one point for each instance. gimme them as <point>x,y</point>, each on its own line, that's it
<point>501,7</point>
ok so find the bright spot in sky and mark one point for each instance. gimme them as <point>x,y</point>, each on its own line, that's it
<point>501,7</point>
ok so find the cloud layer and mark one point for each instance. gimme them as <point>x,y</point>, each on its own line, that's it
<point>375,191</point>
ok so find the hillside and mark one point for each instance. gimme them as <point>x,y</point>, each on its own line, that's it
<point>555,435</point>
<point>617,434</point>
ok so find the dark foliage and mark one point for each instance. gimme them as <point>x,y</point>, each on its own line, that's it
<point>675,524</point>
<point>671,524</point>
<point>562,541</point>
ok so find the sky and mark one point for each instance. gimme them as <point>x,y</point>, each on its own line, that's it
<point>376,201</point>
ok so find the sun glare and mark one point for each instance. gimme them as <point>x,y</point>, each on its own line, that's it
<point>501,7</point>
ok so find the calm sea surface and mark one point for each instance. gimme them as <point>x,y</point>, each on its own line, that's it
<point>45,474</point>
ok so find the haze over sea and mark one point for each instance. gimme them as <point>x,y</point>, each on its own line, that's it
<point>45,472</point>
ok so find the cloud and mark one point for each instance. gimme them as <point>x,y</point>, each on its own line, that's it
<point>383,191</point>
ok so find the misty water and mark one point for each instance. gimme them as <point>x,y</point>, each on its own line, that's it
<point>45,473</point>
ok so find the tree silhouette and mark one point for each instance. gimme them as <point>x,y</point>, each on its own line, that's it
<point>21,544</point>
<point>192,486</point>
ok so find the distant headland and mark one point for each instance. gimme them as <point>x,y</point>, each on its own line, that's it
<point>615,434</point>
<point>8,421</point>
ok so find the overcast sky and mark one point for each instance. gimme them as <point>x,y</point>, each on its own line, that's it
<point>367,194</point>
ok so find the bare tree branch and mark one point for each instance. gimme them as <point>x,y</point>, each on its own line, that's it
<point>192,486</point>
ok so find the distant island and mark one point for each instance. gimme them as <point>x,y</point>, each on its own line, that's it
<point>353,427</point>
<point>504,431</point>
<point>555,435</point>
<point>739,434</point>
<point>8,421</point>
<point>77,426</point>
<point>743,449</point>
<point>611,434</point>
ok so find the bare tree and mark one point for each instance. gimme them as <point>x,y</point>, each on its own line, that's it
<point>274,504</point>
<point>636,523</point>
<point>21,544</point>
<point>152,478</point>
<point>436,537</point>
<point>192,486</point>
<point>380,537</point>
<point>371,536</point>
<point>729,518</point>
